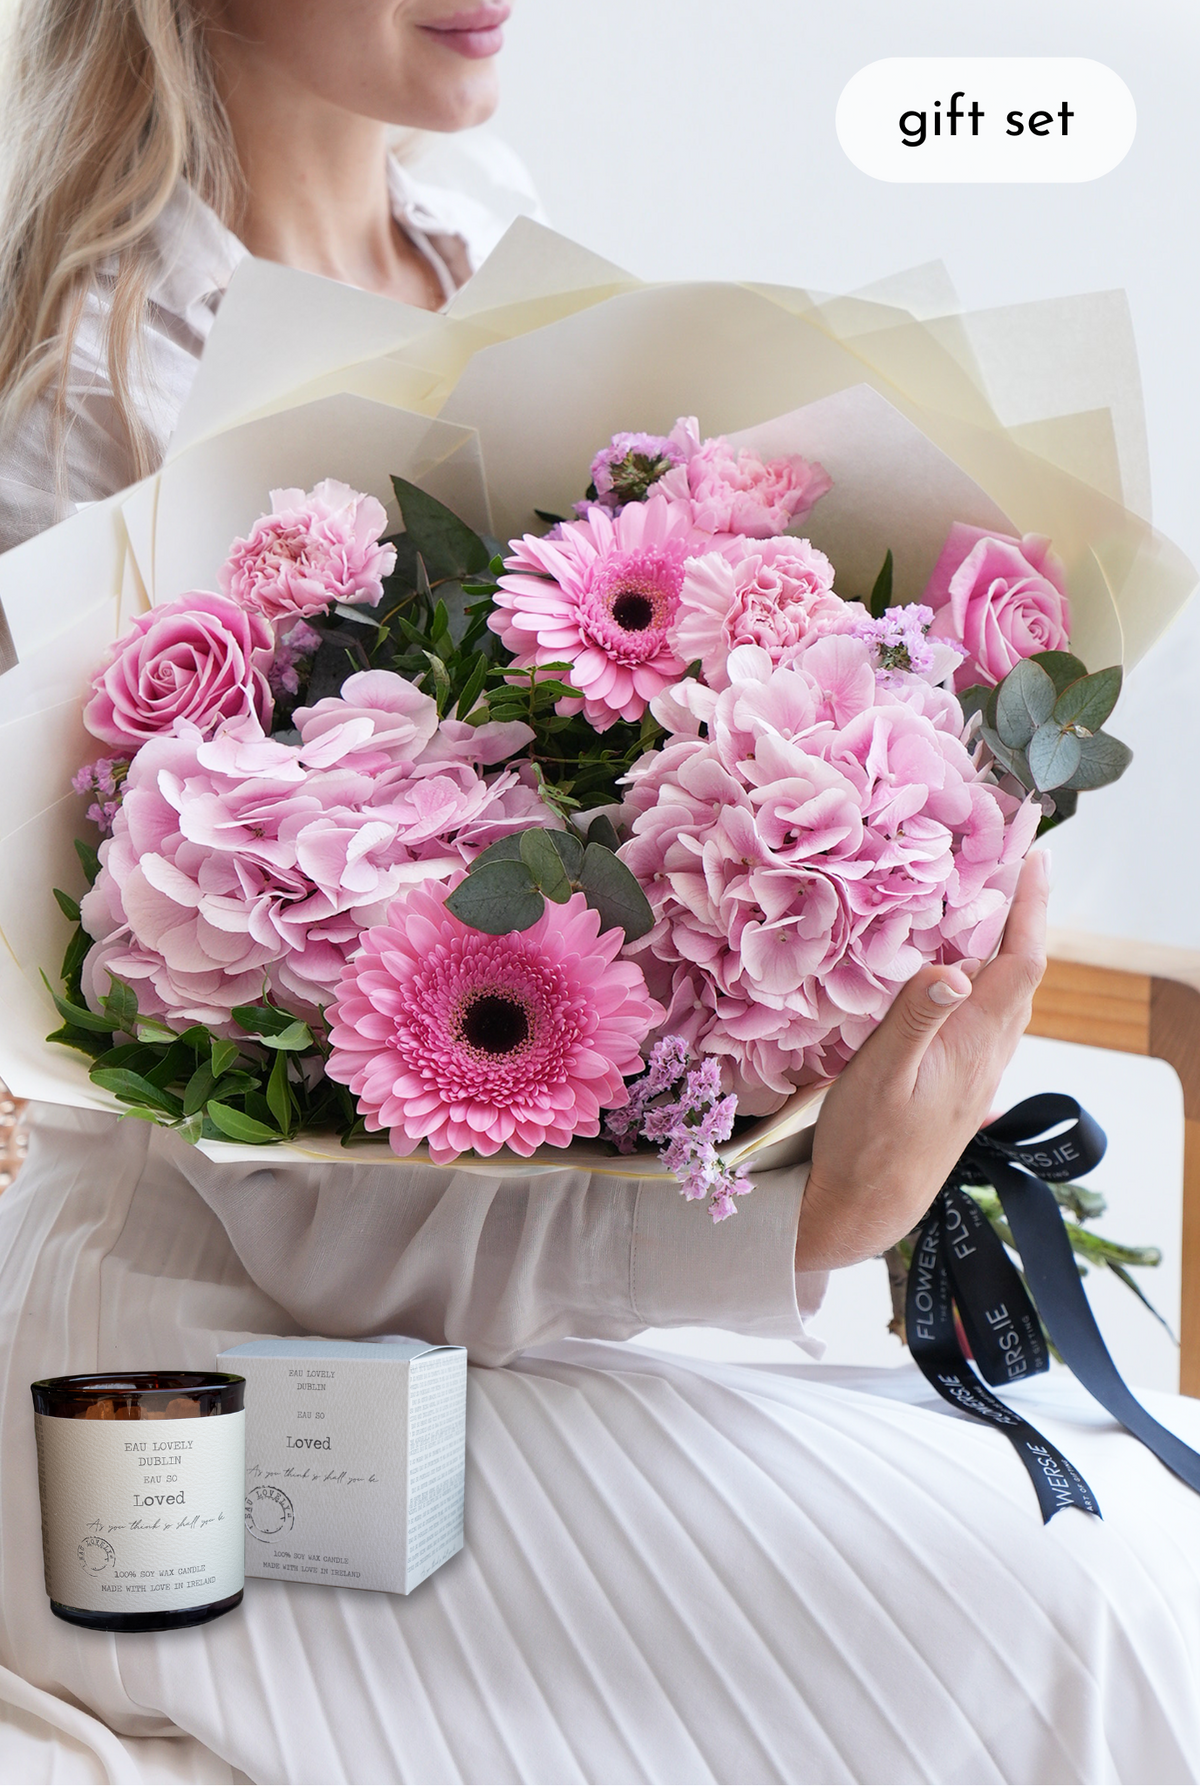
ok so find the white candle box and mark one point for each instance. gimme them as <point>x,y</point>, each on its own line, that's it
<point>355,1459</point>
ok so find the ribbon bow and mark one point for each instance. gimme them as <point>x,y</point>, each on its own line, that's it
<point>958,1261</point>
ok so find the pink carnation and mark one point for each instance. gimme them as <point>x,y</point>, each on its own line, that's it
<point>777,593</point>
<point>239,864</point>
<point>1004,598</point>
<point>601,595</point>
<point>828,836</point>
<point>201,658</point>
<point>477,1042</point>
<point>311,551</point>
<point>734,490</point>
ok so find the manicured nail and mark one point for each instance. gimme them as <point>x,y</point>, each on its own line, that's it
<point>944,994</point>
<point>970,965</point>
<point>1047,863</point>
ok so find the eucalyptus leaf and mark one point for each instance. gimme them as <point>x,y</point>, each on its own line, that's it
<point>499,897</point>
<point>1053,756</point>
<point>1089,701</point>
<point>505,849</point>
<point>613,891</point>
<point>448,546</point>
<point>1014,762</point>
<point>570,851</point>
<point>603,831</point>
<point>1024,701</point>
<point>1102,759</point>
<point>238,1126</point>
<point>545,865</point>
<point>975,699</point>
<point>881,594</point>
<point>1062,667</point>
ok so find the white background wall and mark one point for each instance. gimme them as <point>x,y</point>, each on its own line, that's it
<point>695,139</point>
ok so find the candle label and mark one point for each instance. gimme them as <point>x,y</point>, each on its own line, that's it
<point>142,1515</point>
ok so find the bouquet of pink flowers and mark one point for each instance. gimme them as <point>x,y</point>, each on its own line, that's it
<point>631,829</point>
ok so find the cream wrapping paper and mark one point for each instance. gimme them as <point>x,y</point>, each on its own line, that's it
<point>497,406</point>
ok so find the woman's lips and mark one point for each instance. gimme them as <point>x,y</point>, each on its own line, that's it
<point>476,34</point>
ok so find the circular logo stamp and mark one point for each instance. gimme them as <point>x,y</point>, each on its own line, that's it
<point>96,1555</point>
<point>268,1512</point>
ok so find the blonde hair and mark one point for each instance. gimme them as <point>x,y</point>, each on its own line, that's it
<point>108,104</point>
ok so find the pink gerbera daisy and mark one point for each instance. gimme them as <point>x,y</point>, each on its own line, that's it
<point>601,594</point>
<point>480,1042</point>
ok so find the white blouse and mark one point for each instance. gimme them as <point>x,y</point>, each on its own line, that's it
<point>454,209</point>
<point>497,1264</point>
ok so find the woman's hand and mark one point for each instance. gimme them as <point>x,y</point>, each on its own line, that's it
<point>901,1113</point>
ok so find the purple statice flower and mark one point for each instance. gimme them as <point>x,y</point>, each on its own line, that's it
<point>292,650</point>
<point>629,466</point>
<point>688,1126</point>
<point>901,646</point>
<point>103,780</point>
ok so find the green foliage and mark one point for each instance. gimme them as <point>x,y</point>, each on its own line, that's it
<point>1042,725</point>
<point>507,886</point>
<point>881,594</point>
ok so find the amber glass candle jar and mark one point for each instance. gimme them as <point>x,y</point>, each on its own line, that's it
<point>143,1479</point>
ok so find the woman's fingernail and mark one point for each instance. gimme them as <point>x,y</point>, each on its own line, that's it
<point>942,993</point>
<point>1047,862</point>
<point>970,965</point>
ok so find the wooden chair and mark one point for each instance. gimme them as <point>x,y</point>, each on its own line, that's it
<point>1137,1012</point>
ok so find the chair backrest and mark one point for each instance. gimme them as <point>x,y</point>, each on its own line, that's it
<point>1141,1013</point>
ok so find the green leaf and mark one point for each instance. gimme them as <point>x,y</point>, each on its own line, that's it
<point>505,849</point>
<point>1015,762</point>
<point>448,545</point>
<point>133,1088</point>
<point>67,906</point>
<point>262,1020</point>
<point>279,1094</point>
<point>604,832</point>
<point>1089,701</point>
<point>78,1016</point>
<point>85,1041</point>
<point>473,687</point>
<point>120,1004</point>
<point>74,958</point>
<point>191,1128</point>
<point>613,891</point>
<point>881,594</point>
<point>1102,758</point>
<point>974,699</point>
<point>1024,701</point>
<point>1062,667</point>
<point>149,1029</point>
<point>497,898</point>
<point>1053,756</point>
<point>224,1053</point>
<point>570,851</point>
<point>545,866</point>
<point>200,1088</point>
<point>89,860</point>
<point>240,1127</point>
<point>291,1040</point>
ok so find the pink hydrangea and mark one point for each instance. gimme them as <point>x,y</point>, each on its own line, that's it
<point>734,490</point>
<point>240,865</point>
<point>602,596</point>
<point>201,658</point>
<point>311,551</point>
<point>807,840</point>
<point>1004,598</point>
<point>777,593</point>
<point>477,1042</point>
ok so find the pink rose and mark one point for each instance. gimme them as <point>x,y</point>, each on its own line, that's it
<point>776,593</point>
<point>1004,598</point>
<point>201,658</point>
<point>311,551</point>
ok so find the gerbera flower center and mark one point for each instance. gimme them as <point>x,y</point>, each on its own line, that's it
<point>633,611</point>
<point>495,1023</point>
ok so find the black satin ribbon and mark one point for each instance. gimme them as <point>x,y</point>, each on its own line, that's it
<point>959,1259</point>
